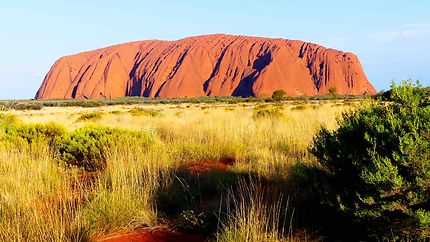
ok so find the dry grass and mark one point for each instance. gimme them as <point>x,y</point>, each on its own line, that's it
<point>258,215</point>
<point>122,197</point>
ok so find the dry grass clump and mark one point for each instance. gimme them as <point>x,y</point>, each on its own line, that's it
<point>37,200</point>
<point>258,214</point>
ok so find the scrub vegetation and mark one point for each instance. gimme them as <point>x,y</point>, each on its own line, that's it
<point>246,171</point>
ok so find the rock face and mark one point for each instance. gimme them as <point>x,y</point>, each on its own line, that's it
<point>211,65</point>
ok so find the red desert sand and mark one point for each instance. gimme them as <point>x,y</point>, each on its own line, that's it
<point>152,235</point>
<point>210,65</point>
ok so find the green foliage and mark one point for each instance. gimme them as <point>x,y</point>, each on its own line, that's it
<point>422,218</point>
<point>7,120</point>
<point>267,112</point>
<point>21,105</point>
<point>191,220</point>
<point>28,106</point>
<point>378,160</point>
<point>15,133</point>
<point>87,103</point>
<point>279,95</point>
<point>332,91</point>
<point>94,116</point>
<point>88,147</point>
<point>145,112</point>
<point>299,107</point>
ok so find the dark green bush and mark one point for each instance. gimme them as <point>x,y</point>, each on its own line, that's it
<point>21,105</point>
<point>90,103</point>
<point>28,106</point>
<point>378,163</point>
<point>332,91</point>
<point>279,95</point>
<point>88,147</point>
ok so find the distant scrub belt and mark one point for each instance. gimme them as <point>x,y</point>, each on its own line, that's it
<point>86,147</point>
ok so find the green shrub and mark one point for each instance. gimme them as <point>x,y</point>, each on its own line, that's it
<point>378,162</point>
<point>21,135</point>
<point>94,116</point>
<point>332,91</point>
<point>279,95</point>
<point>234,100</point>
<point>267,112</point>
<point>29,106</point>
<point>88,147</point>
<point>89,103</point>
<point>145,112</point>
<point>21,105</point>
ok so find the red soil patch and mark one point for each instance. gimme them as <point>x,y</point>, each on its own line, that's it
<point>198,167</point>
<point>152,235</point>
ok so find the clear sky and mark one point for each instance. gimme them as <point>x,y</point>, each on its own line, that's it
<point>391,37</point>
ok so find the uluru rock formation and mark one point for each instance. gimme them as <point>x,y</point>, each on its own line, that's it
<point>210,65</point>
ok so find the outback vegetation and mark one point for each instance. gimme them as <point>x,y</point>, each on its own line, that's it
<point>258,171</point>
<point>6,105</point>
<point>381,177</point>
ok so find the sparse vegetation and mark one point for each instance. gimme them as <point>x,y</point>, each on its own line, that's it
<point>85,103</point>
<point>235,172</point>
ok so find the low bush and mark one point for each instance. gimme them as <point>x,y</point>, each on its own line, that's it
<point>267,112</point>
<point>28,106</point>
<point>94,116</point>
<point>145,112</point>
<point>332,91</point>
<point>88,147</point>
<point>378,163</point>
<point>21,135</point>
<point>279,95</point>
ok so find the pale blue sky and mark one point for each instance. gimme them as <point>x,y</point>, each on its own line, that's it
<point>391,37</point>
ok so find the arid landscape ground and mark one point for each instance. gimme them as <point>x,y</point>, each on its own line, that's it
<point>199,171</point>
<point>214,121</point>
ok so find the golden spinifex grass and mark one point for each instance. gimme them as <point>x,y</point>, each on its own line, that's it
<point>36,199</point>
<point>43,200</point>
<point>40,200</point>
<point>259,214</point>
